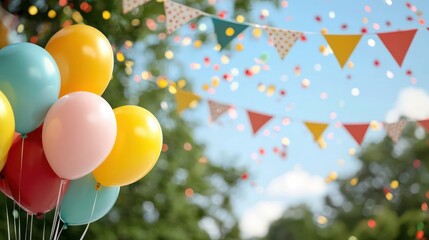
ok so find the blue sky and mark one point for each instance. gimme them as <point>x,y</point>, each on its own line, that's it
<point>361,93</point>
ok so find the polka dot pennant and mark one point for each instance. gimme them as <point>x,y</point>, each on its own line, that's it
<point>394,130</point>
<point>178,15</point>
<point>227,31</point>
<point>283,39</point>
<point>217,109</point>
<point>128,5</point>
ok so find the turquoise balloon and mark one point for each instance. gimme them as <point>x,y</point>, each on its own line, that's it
<point>78,202</point>
<point>30,79</point>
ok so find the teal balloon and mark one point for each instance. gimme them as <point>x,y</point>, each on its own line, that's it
<point>78,202</point>
<point>30,79</point>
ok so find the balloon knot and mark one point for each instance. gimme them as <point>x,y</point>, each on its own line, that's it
<point>40,215</point>
<point>98,186</point>
<point>65,226</point>
<point>23,135</point>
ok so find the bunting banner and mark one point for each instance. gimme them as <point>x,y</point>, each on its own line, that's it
<point>129,5</point>
<point>357,131</point>
<point>283,39</point>
<point>343,46</point>
<point>186,100</point>
<point>257,120</point>
<point>226,31</point>
<point>316,129</point>
<point>397,43</point>
<point>217,109</point>
<point>394,130</point>
<point>424,124</point>
<point>178,15</point>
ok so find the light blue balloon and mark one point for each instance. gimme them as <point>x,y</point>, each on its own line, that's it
<point>30,79</point>
<point>78,202</point>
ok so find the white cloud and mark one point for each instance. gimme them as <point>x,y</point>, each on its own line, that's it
<point>256,220</point>
<point>297,184</point>
<point>412,103</point>
<point>294,187</point>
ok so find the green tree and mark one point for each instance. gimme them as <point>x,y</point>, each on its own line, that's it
<point>185,189</point>
<point>386,198</point>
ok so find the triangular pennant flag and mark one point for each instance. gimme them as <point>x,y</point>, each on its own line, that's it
<point>186,100</point>
<point>283,39</point>
<point>357,131</point>
<point>178,15</point>
<point>7,23</point>
<point>128,5</point>
<point>226,31</point>
<point>217,109</point>
<point>257,120</point>
<point>343,46</point>
<point>394,130</point>
<point>4,35</point>
<point>398,43</point>
<point>316,129</point>
<point>424,124</point>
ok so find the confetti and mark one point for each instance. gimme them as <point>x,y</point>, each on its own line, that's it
<point>305,83</point>
<point>372,223</point>
<point>371,42</point>
<point>355,92</point>
<point>234,86</point>
<point>187,146</point>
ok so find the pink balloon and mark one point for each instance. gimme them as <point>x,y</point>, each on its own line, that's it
<point>78,134</point>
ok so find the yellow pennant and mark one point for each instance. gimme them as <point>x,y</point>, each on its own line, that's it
<point>343,46</point>
<point>316,129</point>
<point>186,100</point>
<point>4,33</point>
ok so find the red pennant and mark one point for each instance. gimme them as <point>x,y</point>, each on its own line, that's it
<point>424,124</point>
<point>357,131</point>
<point>257,120</point>
<point>398,43</point>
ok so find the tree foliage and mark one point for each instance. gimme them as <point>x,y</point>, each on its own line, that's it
<point>387,198</point>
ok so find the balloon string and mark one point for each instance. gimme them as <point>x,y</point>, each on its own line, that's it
<point>57,208</point>
<point>19,224</point>
<point>92,213</point>
<point>7,215</point>
<point>19,187</point>
<point>59,234</point>
<point>57,228</point>
<point>26,228</point>
<point>14,219</point>
<point>44,227</point>
<point>31,227</point>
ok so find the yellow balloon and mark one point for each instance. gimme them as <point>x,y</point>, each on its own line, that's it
<point>84,57</point>
<point>7,128</point>
<point>136,150</point>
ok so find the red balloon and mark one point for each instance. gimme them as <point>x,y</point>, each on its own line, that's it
<point>34,185</point>
<point>4,186</point>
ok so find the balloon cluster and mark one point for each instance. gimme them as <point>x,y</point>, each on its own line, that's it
<point>59,139</point>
